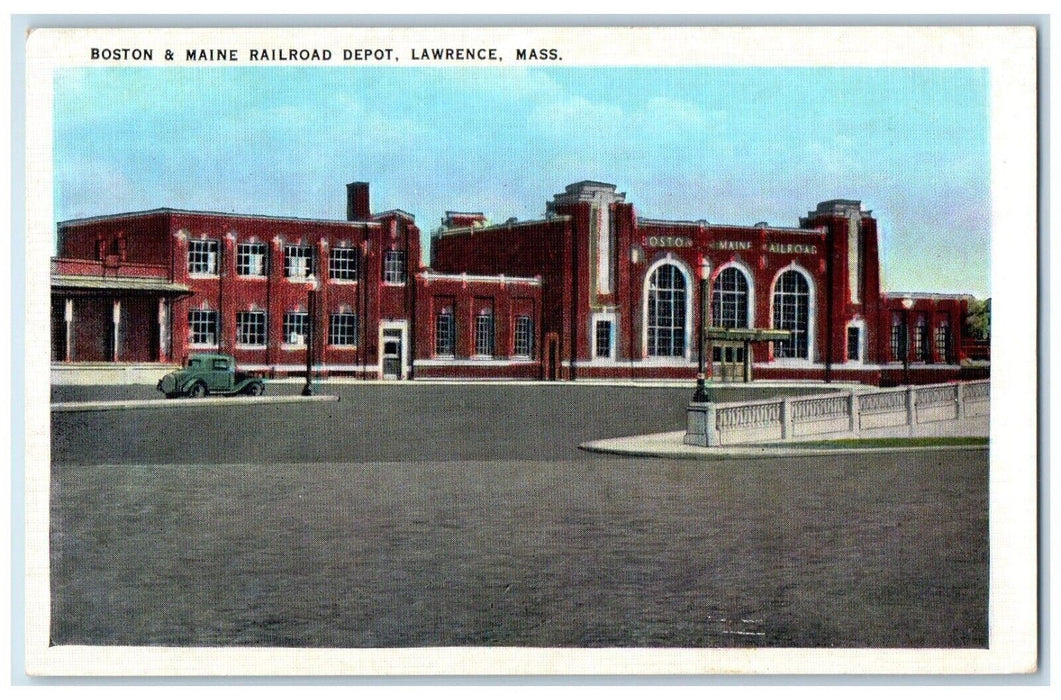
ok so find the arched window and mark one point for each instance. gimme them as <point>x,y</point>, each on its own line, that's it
<point>729,299</point>
<point>666,312</point>
<point>792,313</point>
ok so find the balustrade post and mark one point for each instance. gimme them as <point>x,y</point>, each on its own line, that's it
<point>710,427</point>
<point>786,419</point>
<point>854,423</point>
<point>959,398</point>
<point>911,408</point>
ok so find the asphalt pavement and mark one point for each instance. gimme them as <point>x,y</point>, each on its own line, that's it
<point>425,515</point>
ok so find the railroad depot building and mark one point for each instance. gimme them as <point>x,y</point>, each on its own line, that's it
<point>589,291</point>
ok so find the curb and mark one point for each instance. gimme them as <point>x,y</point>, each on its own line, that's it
<point>73,406</point>
<point>629,447</point>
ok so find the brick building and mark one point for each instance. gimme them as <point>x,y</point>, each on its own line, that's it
<point>589,291</point>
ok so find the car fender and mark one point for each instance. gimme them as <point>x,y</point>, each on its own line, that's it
<point>244,385</point>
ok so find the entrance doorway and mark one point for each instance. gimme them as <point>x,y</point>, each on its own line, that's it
<point>551,359</point>
<point>731,359</point>
<point>392,350</point>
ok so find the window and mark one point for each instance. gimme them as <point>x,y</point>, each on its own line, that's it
<point>250,259</point>
<point>854,343</point>
<point>394,267</point>
<point>250,328</point>
<point>921,339</point>
<point>484,334</point>
<point>603,339</point>
<point>345,264</point>
<point>342,330</point>
<point>792,313</point>
<point>298,261</point>
<point>943,340</point>
<point>666,312</point>
<point>898,339</point>
<point>203,327</point>
<point>203,257</point>
<point>524,337</point>
<point>296,327</point>
<point>444,334</point>
<point>729,299</point>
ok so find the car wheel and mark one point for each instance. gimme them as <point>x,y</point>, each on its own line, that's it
<point>256,389</point>
<point>198,391</point>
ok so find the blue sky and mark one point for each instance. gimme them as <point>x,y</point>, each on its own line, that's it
<point>730,145</point>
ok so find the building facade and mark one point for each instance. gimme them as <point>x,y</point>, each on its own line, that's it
<point>589,291</point>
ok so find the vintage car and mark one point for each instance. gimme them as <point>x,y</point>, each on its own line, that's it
<point>209,374</point>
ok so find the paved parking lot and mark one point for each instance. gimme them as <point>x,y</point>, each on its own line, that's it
<point>411,515</point>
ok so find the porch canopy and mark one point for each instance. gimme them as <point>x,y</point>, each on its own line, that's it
<point>738,367</point>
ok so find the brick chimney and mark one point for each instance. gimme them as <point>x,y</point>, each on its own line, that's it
<point>357,207</point>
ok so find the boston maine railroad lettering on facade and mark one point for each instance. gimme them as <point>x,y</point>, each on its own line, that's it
<point>591,290</point>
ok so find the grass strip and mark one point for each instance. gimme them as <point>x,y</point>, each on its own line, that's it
<point>876,443</point>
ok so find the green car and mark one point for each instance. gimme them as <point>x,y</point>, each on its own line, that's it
<point>209,374</point>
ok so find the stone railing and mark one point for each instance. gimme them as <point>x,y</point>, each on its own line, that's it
<point>955,409</point>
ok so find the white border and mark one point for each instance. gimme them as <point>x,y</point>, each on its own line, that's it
<point>1010,55</point>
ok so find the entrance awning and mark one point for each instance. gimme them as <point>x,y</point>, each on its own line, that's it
<point>751,335</point>
<point>127,285</point>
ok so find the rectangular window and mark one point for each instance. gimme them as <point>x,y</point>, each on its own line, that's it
<point>342,330</point>
<point>250,259</point>
<point>854,341</point>
<point>898,339</point>
<point>203,257</point>
<point>943,341</point>
<point>484,335</point>
<point>604,339</point>
<point>298,261</point>
<point>524,337</point>
<point>250,328</point>
<point>202,325</point>
<point>296,327</point>
<point>345,264</point>
<point>921,339</point>
<point>444,334</point>
<point>394,267</point>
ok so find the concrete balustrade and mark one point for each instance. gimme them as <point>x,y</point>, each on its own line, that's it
<point>934,410</point>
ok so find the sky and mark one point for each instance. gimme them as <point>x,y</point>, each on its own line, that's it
<point>729,145</point>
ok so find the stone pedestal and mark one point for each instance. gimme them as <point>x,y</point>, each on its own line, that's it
<point>700,425</point>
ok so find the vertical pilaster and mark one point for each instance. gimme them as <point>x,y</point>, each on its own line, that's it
<point>163,330</point>
<point>116,317</point>
<point>68,329</point>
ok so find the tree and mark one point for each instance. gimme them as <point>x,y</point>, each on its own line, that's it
<point>978,319</point>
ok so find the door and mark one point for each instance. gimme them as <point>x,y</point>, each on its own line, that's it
<point>392,354</point>
<point>730,358</point>
<point>221,375</point>
<point>552,350</point>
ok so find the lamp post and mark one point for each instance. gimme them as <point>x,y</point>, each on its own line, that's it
<point>701,395</point>
<point>313,284</point>
<point>907,303</point>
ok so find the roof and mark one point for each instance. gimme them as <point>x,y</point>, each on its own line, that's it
<point>394,212</point>
<point>119,284</point>
<point>476,230</point>
<point>230,214</point>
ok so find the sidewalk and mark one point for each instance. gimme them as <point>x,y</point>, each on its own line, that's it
<point>671,446</point>
<point>186,402</point>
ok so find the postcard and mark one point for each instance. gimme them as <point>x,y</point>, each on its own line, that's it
<point>531,350</point>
